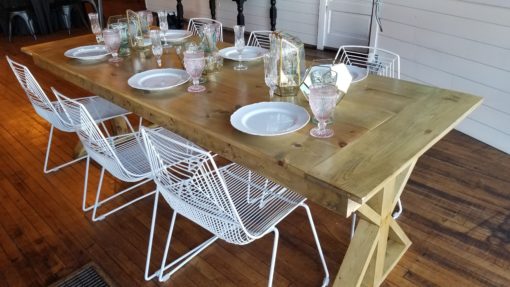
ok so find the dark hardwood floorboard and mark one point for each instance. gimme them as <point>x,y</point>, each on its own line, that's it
<point>457,212</point>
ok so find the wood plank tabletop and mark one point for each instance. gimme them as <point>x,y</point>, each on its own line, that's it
<point>380,126</point>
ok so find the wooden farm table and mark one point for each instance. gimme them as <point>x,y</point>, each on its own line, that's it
<point>382,127</point>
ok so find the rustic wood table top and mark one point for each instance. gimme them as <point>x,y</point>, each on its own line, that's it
<point>381,127</point>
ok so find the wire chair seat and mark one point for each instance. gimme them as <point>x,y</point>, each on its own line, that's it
<point>99,108</point>
<point>376,60</point>
<point>260,203</point>
<point>195,25</point>
<point>260,39</point>
<point>232,202</point>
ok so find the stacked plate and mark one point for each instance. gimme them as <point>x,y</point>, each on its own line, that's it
<point>249,53</point>
<point>88,53</point>
<point>158,79</point>
<point>270,118</point>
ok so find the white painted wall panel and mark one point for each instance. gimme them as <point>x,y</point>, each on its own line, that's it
<point>460,45</point>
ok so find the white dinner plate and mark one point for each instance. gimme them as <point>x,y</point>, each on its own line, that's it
<point>269,118</point>
<point>87,53</point>
<point>249,53</point>
<point>175,35</point>
<point>158,79</point>
<point>357,73</point>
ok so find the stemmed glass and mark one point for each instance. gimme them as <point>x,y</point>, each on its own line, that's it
<point>239,43</point>
<point>270,75</point>
<point>157,49</point>
<point>96,26</point>
<point>323,100</point>
<point>112,43</point>
<point>163,24</point>
<point>194,62</point>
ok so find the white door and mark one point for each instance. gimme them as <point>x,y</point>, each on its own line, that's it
<point>344,22</point>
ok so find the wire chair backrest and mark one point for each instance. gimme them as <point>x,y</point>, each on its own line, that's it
<point>92,138</point>
<point>377,61</point>
<point>37,97</point>
<point>195,24</point>
<point>260,39</point>
<point>190,182</point>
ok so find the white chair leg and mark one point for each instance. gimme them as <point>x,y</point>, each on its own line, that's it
<point>151,238</point>
<point>48,150</point>
<point>181,261</point>
<point>397,213</point>
<point>85,187</point>
<point>98,203</point>
<point>273,257</point>
<point>325,281</point>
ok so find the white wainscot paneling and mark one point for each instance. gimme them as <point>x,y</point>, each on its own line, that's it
<point>458,45</point>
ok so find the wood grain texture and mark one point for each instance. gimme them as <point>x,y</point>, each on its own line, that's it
<point>381,125</point>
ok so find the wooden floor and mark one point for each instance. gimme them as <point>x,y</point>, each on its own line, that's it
<point>457,213</point>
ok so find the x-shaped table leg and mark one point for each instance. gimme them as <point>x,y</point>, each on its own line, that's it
<point>378,242</point>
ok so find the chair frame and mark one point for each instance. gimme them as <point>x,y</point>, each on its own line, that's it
<point>202,169</point>
<point>89,133</point>
<point>376,60</point>
<point>194,28</point>
<point>260,39</point>
<point>48,110</point>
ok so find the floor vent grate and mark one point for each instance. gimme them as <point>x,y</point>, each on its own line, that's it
<point>89,275</point>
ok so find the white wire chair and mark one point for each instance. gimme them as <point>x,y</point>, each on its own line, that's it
<point>51,111</point>
<point>232,202</point>
<point>123,156</point>
<point>195,24</point>
<point>377,61</point>
<point>260,39</point>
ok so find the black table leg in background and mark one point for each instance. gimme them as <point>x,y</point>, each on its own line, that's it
<point>212,6</point>
<point>180,14</point>
<point>240,8</point>
<point>272,14</point>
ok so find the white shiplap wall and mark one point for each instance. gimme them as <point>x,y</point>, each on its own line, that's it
<point>461,45</point>
<point>297,17</point>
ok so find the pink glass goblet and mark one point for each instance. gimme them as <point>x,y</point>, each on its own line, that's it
<point>194,62</point>
<point>323,99</point>
<point>112,42</point>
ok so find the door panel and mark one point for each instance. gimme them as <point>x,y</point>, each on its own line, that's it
<point>344,22</point>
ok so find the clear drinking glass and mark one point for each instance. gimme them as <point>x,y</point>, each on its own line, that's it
<point>112,42</point>
<point>163,24</point>
<point>270,73</point>
<point>323,100</point>
<point>157,48</point>
<point>96,26</point>
<point>239,43</point>
<point>194,62</point>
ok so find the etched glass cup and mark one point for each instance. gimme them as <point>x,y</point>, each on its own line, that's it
<point>323,100</point>
<point>112,43</point>
<point>194,62</point>
<point>96,26</point>
<point>239,44</point>
<point>157,48</point>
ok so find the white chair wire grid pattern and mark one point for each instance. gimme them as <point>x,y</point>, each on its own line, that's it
<point>123,156</point>
<point>195,24</point>
<point>260,39</point>
<point>232,202</point>
<point>377,61</point>
<point>52,111</point>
